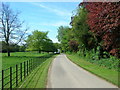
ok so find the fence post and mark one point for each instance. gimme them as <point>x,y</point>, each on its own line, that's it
<point>16,75</point>
<point>27,67</point>
<point>10,78</point>
<point>2,79</point>
<point>21,71</point>
<point>24,70</point>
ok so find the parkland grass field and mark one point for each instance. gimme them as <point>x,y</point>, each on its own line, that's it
<point>18,57</point>
<point>38,77</point>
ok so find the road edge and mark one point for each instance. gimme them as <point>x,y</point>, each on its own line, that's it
<point>91,72</point>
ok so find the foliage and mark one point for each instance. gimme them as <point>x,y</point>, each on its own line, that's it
<point>57,45</point>
<point>110,63</point>
<point>22,48</point>
<point>81,32</point>
<point>73,45</point>
<point>95,28</point>
<point>39,41</point>
<point>12,47</point>
<point>49,46</point>
<point>63,37</point>
<point>103,19</point>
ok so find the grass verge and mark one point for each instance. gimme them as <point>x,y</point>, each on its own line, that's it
<point>107,74</point>
<point>38,78</point>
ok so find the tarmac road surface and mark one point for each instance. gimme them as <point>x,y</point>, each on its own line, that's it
<point>65,74</point>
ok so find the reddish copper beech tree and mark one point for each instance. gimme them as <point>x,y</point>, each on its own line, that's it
<point>104,21</point>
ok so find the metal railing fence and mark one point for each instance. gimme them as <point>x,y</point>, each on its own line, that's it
<point>11,77</point>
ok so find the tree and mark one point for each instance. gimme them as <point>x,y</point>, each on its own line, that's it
<point>39,41</point>
<point>81,32</point>
<point>63,37</point>
<point>57,45</point>
<point>10,26</point>
<point>103,19</point>
<point>73,45</point>
<point>12,47</point>
<point>3,46</point>
<point>49,46</point>
<point>22,48</point>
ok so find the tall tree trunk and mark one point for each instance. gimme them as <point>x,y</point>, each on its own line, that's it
<point>8,53</point>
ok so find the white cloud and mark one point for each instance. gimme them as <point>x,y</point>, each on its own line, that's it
<point>54,10</point>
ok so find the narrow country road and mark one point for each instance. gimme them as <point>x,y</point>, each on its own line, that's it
<point>65,74</point>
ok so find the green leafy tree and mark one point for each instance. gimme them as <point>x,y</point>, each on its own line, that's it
<point>37,41</point>
<point>22,48</point>
<point>49,46</point>
<point>57,45</point>
<point>81,32</point>
<point>12,47</point>
<point>63,37</point>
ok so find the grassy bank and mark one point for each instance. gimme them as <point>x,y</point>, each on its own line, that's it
<point>38,78</point>
<point>103,72</point>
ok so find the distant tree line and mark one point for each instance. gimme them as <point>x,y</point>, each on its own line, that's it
<point>38,41</point>
<point>12,47</point>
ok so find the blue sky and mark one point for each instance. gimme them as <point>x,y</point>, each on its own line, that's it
<point>45,16</point>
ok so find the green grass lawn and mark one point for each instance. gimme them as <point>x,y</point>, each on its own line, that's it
<point>107,74</point>
<point>44,60</point>
<point>18,57</point>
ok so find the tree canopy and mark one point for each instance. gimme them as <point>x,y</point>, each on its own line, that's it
<point>103,20</point>
<point>39,41</point>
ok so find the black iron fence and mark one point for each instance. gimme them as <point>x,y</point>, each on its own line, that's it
<point>11,77</point>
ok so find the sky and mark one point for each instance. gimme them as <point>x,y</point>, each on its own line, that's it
<point>45,16</point>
